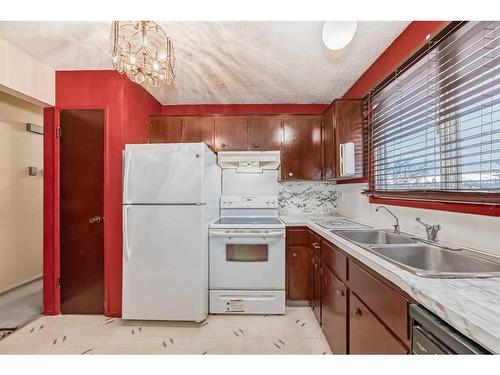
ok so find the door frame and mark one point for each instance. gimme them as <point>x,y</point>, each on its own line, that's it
<point>52,206</point>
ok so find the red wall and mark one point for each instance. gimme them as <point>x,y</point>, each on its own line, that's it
<point>127,107</point>
<point>404,46</point>
<point>243,109</point>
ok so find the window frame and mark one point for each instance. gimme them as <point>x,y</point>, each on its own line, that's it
<point>481,203</point>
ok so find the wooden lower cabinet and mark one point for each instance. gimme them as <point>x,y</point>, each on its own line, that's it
<point>298,260</point>
<point>359,311</point>
<point>334,311</point>
<point>316,296</point>
<point>367,335</point>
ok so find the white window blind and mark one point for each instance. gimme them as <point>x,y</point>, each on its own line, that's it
<point>436,125</point>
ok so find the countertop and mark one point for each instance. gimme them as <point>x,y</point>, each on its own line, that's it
<point>472,306</point>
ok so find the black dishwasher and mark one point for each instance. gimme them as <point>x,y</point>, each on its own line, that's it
<point>432,335</point>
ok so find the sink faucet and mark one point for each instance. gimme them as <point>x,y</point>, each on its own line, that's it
<point>396,227</point>
<point>432,230</point>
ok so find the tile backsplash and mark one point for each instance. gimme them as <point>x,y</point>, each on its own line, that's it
<point>307,197</point>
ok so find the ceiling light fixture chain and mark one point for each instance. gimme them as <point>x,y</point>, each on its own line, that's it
<point>143,51</point>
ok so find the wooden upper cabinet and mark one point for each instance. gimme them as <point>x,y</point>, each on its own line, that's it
<point>231,133</point>
<point>265,133</point>
<point>163,129</point>
<point>348,127</point>
<point>328,144</point>
<point>301,156</point>
<point>198,129</point>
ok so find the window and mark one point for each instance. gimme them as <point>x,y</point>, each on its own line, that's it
<point>434,127</point>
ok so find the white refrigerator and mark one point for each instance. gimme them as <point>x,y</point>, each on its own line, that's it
<point>171,194</point>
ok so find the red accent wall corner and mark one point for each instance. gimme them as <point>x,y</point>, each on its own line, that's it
<point>127,107</point>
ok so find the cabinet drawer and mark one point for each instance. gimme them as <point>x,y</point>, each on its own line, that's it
<point>316,244</point>
<point>297,237</point>
<point>367,335</point>
<point>334,260</point>
<point>389,306</point>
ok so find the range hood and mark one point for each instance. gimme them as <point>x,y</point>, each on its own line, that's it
<point>249,161</point>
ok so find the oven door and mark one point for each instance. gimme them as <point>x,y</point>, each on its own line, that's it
<point>247,259</point>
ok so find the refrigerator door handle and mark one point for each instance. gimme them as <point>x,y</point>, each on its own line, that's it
<point>128,160</point>
<point>126,249</point>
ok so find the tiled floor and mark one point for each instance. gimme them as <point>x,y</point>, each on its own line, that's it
<point>21,305</point>
<point>297,332</point>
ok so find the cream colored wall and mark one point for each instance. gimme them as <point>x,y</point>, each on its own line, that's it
<point>478,232</point>
<point>20,194</point>
<point>25,77</point>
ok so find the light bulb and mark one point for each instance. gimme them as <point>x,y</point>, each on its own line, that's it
<point>139,77</point>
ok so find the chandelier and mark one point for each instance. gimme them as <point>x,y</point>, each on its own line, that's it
<point>143,51</point>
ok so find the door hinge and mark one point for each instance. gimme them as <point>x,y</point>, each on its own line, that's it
<point>58,132</point>
<point>59,281</point>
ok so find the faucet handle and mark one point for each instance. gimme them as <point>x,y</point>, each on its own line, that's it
<point>432,230</point>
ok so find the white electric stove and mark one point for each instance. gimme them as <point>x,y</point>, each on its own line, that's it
<point>247,257</point>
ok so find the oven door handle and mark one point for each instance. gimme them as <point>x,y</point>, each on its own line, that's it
<point>227,234</point>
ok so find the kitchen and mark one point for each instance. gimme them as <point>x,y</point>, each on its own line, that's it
<point>211,210</point>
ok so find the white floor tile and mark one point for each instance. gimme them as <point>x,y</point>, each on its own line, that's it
<point>296,332</point>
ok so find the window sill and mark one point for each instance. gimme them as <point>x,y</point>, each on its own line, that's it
<point>475,208</point>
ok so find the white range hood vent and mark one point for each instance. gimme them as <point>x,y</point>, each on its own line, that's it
<point>249,161</point>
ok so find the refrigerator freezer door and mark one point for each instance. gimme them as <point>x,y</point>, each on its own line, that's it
<point>164,173</point>
<point>165,263</point>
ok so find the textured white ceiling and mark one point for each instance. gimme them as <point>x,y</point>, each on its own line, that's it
<point>223,62</point>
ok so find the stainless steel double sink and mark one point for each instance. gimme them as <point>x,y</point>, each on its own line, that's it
<point>423,258</point>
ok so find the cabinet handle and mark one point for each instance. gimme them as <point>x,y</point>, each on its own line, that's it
<point>339,293</point>
<point>315,245</point>
<point>316,265</point>
<point>294,254</point>
<point>256,145</point>
<point>290,174</point>
<point>223,145</point>
<point>356,312</point>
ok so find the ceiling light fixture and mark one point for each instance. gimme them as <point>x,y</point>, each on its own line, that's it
<point>338,34</point>
<point>143,51</point>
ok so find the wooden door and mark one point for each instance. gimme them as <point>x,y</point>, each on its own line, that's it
<point>198,129</point>
<point>328,143</point>
<point>317,288</point>
<point>301,156</point>
<point>367,335</point>
<point>265,133</point>
<point>81,211</point>
<point>334,311</point>
<point>231,133</point>
<point>349,128</point>
<point>298,273</point>
<point>165,129</point>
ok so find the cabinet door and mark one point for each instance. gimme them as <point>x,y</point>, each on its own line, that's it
<point>317,288</point>
<point>367,335</point>
<point>231,133</point>
<point>198,129</point>
<point>328,139</point>
<point>298,273</point>
<point>301,157</point>
<point>265,133</point>
<point>348,124</point>
<point>334,311</point>
<point>165,129</point>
